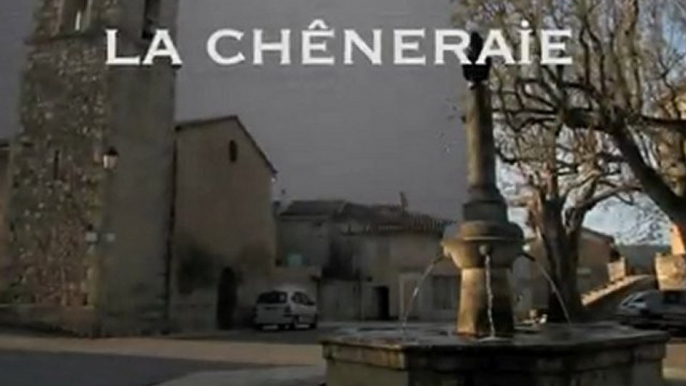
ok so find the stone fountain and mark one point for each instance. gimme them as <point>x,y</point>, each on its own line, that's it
<point>485,347</point>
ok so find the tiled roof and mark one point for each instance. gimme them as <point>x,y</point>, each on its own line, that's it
<point>593,232</point>
<point>373,218</point>
<point>314,208</point>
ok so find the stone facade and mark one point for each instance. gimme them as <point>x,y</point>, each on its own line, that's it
<point>224,228</point>
<point>671,272</point>
<point>374,254</point>
<point>617,270</point>
<point>4,188</point>
<point>676,241</point>
<point>87,243</point>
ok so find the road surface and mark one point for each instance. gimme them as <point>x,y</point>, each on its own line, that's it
<point>38,360</point>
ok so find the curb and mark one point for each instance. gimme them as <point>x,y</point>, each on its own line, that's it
<point>280,376</point>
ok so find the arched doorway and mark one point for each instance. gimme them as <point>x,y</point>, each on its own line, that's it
<point>227,296</point>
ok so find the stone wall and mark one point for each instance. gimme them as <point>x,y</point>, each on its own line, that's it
<point>135,230</point>
<point>223,223</point>
<point>590,355</point>
<point>676,241</point>
<point>308,240</point>
<point>671,272</point>
<point>86,245</point>
<point>363,264</point>
<point>4,193</point>
<point>55,194</point>
<point>617,270</point>
<point>396,261</point>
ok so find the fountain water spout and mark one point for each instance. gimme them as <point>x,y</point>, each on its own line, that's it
<point>553,286</point>
<point>413,300</point>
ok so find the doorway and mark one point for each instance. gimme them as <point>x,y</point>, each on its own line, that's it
<point>227,296</point>
<point>383,302</point>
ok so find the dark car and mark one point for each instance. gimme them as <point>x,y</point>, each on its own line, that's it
<point>655,309</point>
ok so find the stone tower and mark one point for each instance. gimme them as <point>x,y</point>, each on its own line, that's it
<point>91,174</point>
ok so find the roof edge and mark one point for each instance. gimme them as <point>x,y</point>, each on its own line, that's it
<point>202,122</point>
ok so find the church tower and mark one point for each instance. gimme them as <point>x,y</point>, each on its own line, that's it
<point>91,174</point>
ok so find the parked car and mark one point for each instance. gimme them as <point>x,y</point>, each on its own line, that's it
<point>653,308</point>
<point>285,308</point>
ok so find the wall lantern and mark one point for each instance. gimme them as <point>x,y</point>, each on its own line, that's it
<point>110,159</point>
<point>91,236</point>
<point>526,248</point>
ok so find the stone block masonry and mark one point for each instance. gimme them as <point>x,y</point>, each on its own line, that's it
<point>56,182</point>
<point>671,272</point>
<point>87,244</point>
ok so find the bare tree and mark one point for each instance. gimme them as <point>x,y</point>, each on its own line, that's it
<point>642,223</point>
<point>569,128</point>
<point>563,175</point>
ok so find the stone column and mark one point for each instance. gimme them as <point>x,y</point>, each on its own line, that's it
<point>485,201</point>
<point>487,243</point>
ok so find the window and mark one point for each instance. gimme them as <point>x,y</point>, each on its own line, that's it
<point>301,298</point>
<point>75,15</point>
<point>151,18</point>
<point>631,298</point>
<point>297,298</point>
<point>275,297</point>
<point>233,151</point>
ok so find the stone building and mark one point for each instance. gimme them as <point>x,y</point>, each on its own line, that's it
<point>224,228</point>
<point>116,223</point>
<point>670,268</point>
<point>371,259</point>
<point>89,193</point>
<point>4,188</point>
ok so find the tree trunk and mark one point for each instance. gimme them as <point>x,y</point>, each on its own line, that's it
<point>654,186</point>
<point>562,250</point>
<point>565,253</point>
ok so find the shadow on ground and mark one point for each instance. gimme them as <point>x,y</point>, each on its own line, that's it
<point>27,368</point>
<point>270,336</point>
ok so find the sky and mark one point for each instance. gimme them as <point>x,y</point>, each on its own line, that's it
<point>15,18</point>
<point>361,133</point>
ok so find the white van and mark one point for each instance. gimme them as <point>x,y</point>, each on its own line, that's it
<point>285,308</point>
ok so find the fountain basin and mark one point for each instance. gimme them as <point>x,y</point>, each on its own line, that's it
<point>581,355</point>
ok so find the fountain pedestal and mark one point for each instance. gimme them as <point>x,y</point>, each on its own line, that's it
<point>487,244</point>
<point>484,252</point>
